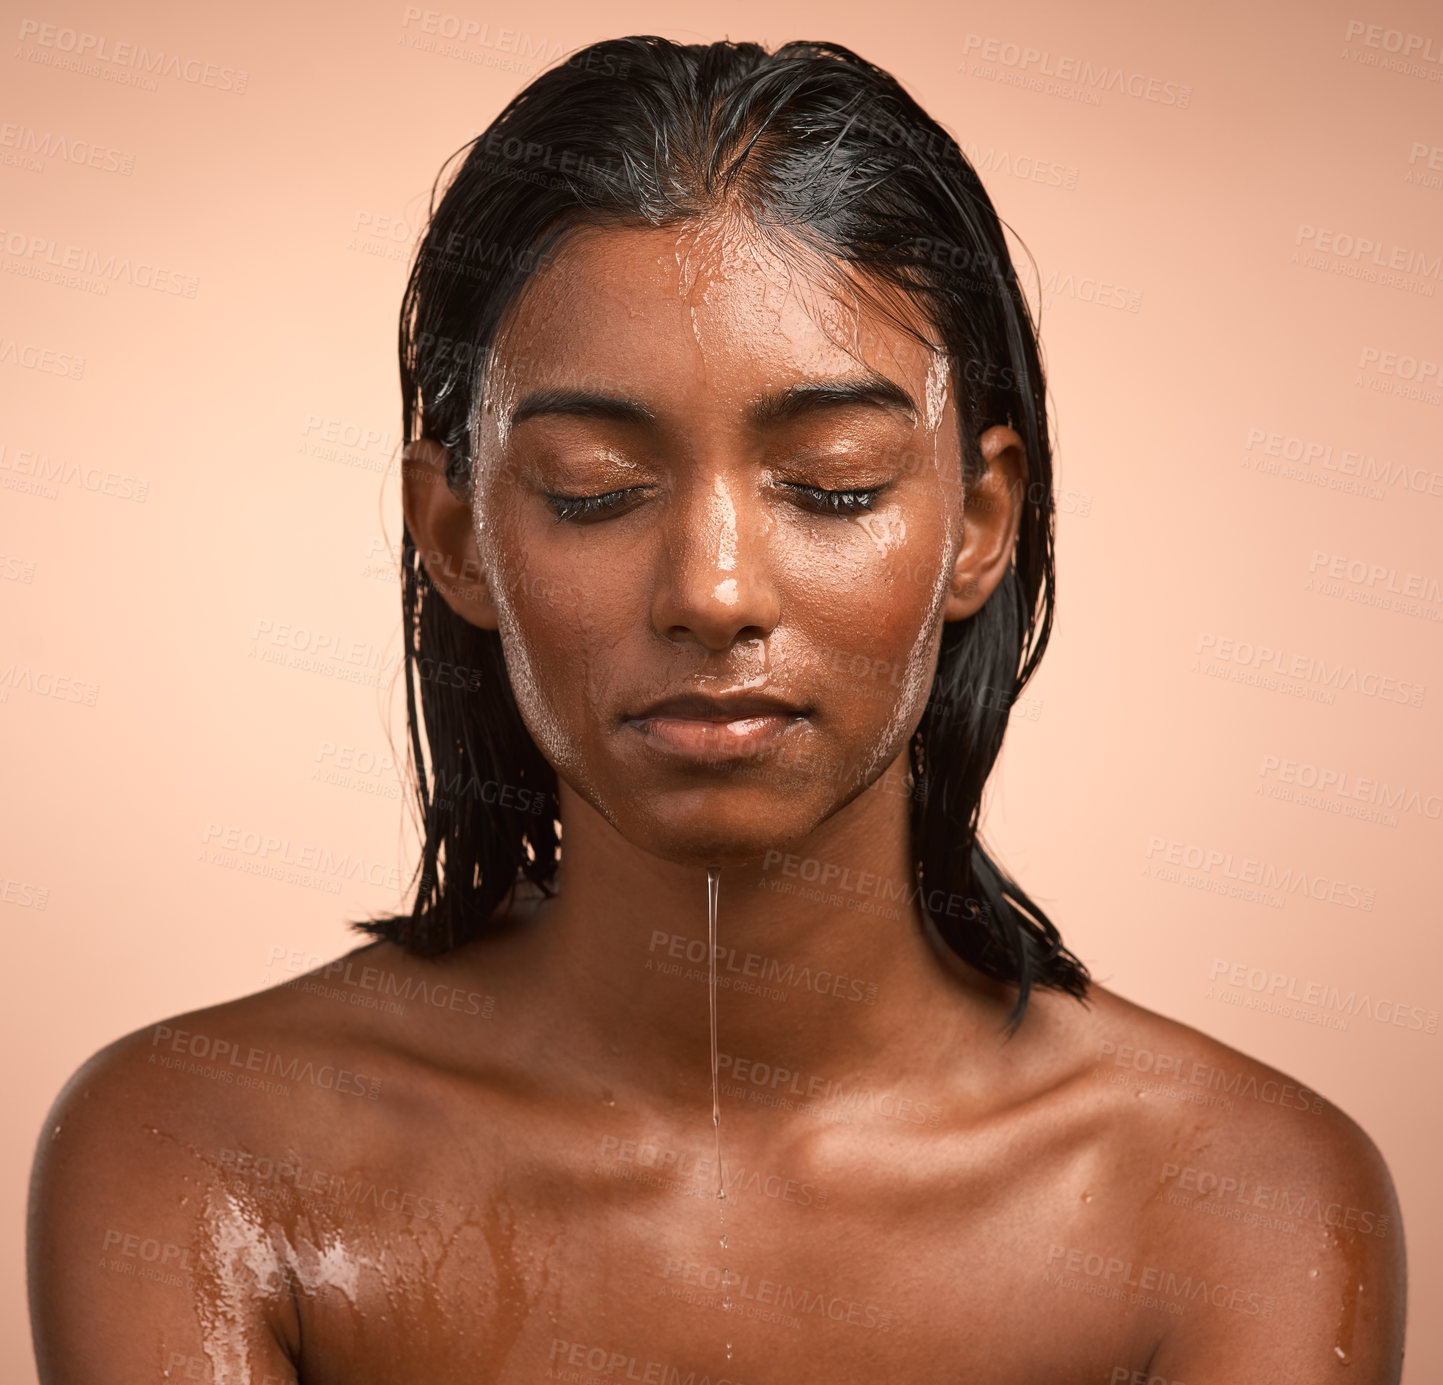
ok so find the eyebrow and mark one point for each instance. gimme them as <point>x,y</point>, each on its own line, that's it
<point>870,391</point>
<point>581,404</point>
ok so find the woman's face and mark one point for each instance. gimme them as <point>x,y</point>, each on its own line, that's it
<point>718,510</point>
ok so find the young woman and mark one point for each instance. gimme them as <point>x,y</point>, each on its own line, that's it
<point>728,548</point>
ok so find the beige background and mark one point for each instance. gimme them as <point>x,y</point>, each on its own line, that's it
<point>218,490</point>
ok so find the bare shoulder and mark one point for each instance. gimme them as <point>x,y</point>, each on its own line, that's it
<point>1249,1110</point>
<point>225,1133</point>
<point>333,1048</point>
<point>1267,1224</point>
<point>131,1190</point>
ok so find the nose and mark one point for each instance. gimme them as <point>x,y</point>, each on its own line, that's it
<point>714,583</point>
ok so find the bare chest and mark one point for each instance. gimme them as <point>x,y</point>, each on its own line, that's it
<point>620,1263</point>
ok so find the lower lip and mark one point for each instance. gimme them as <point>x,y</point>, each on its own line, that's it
<point>692,738</point>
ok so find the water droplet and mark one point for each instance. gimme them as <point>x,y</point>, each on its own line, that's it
<point>1312,1274</point>
<point>607,1099</point>
<point>1343,1356</point>
<point>1087,1197</point>
<point>1139,1095</point>
<point>713,889</point>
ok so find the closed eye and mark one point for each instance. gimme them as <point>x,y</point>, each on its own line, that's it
<point>843,503</point>
<point>583,507</point>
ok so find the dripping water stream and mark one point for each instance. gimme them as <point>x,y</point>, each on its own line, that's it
<point>713,887</point>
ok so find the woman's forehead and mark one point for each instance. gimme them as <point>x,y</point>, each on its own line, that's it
<point>716,305</point>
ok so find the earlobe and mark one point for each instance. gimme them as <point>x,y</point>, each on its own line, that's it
<point>440,524</point>
<point>992,514</point>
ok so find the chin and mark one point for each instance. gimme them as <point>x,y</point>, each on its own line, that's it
<point>707,827</point>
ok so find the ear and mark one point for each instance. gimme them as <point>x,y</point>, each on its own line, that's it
<point>992,512</point>
<point>440,525</point>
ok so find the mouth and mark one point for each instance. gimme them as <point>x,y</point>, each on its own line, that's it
<point>714,727</point>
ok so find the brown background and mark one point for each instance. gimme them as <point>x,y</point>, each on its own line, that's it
<point>218,485</point>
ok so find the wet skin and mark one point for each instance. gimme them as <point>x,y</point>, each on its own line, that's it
<point>498,1165</point>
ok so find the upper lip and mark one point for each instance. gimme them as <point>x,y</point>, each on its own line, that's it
<point>733,706</point>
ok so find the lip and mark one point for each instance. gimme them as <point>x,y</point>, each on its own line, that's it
<point>717,726</point>
<point>723,706</point>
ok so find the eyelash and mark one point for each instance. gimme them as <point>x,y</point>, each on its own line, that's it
<point>843,503</point>
<point>574,507</point>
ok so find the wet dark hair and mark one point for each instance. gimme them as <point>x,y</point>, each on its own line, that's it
<point>820,148</point>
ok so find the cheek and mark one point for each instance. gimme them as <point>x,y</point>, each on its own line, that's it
<point>872,645</point>
<point>547,622</point>
<point>913,556</point>
<point>872,612</point>
<point>902,640</point>
<point>549,667</point>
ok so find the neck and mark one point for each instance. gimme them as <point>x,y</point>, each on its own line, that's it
<point>828,966</point>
